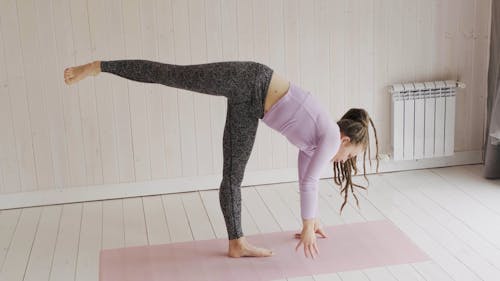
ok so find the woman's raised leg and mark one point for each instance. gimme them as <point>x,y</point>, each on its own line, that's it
<point>235,80</point>
<point>238,81</point>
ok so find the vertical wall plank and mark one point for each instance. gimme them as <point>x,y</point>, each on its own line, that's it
<point>394,57</point>
<point>230,46</point>
<point>277,62</point>
<point>121,93</point>
<point>395,40</point>
<point>5,115</point>
<point>382,99</point>
<point>198,41</point>
<point>354,68</point>
<point>306,33</point>
<point>187,115</point>
<point>245,30</point>
<point>149,46</point>
<point>292,58</point>
<point>18,97</point>
<point>437,32</point>
<point>352,59</point>
<point>169,95</point>
<point>263,148</point>
<point>245,35</point>
<point>424,66</point>
<point>69,94</point>
<point>138,107</point>
<point>86,94</point>
<point>11,181</point>
<point>409,38</point>
<point>451,58</point>
<point>2,184</point>
<point>481,36</point>
<point>366,59</point>
<point>213,21</point>
<point>465,42</point>
<point>29,34</point>
<point>49,74</point>
<point>322,51</point>
<point>100,38</point>
<point>337,58</point>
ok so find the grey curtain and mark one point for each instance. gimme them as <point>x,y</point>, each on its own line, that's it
<point>492,153</point>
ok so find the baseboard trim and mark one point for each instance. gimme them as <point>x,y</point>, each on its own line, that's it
<point>176,185</point>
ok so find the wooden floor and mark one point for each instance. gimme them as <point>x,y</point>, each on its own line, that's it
<point>452,213</point>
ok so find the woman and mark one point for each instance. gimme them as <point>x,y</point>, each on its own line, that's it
<point>254,91</point>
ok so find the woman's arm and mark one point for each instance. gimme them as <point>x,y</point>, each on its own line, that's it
<point>310,169</point>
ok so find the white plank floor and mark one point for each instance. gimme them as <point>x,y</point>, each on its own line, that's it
<point>452,213</point>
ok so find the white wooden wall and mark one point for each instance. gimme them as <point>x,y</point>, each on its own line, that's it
<point>108,130</point>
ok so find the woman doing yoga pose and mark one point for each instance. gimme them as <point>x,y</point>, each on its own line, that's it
<point>254,91</point>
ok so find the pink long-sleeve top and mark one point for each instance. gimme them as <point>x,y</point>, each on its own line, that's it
<point>303,120</point>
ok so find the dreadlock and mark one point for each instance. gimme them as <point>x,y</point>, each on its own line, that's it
<point>354,124</point>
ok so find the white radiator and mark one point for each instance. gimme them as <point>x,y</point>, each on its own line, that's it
<point>423,119</point>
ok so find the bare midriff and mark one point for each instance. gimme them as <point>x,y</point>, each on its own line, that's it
<point>278,87</point>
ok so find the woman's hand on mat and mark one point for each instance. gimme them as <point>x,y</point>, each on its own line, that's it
<point>308,237</point>
<point>317,228</point>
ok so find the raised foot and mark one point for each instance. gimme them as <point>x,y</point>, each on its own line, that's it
<point>77,73</point>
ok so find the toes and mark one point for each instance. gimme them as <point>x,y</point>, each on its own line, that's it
<point>265,252</point>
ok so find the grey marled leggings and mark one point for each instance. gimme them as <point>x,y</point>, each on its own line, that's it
<point>244,84</point>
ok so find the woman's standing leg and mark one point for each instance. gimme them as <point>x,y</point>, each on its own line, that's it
<point>237,142</point>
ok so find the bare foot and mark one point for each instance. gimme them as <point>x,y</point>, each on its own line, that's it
<point>241,248</point>
<point>77,73</point>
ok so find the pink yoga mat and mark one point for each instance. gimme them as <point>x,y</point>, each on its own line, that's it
<point>348,247</point>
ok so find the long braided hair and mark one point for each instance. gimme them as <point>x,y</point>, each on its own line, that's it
<point>354,124</point>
